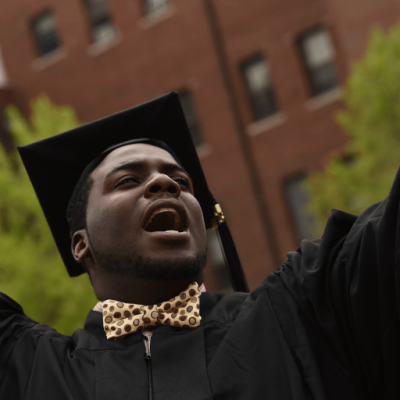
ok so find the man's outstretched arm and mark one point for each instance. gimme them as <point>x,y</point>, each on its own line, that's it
<point>347,286</point>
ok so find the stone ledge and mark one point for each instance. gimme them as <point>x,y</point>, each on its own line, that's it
<point>150,20</point>
<point>95,49</point>
<point>324,99</point>
<point>49,59</point>
<point>266,124</point>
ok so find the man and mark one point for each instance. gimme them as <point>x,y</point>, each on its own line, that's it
<point>324,325</point>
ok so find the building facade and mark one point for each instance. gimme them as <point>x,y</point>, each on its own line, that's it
<point>259,80</point>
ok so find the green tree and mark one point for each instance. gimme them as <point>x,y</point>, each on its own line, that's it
<point>372,121</point>
<point>31,269</point>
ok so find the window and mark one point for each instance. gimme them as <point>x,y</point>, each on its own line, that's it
<point>3,75</point>
<point>45,33</point>
<point>155,7</point>
<point>219,269</point>
<point>258,81</point>
<point>319,58</point>
<point>298,200</point>
<point>100,20</point>
<point>5,138</point>
<point>191,119</point>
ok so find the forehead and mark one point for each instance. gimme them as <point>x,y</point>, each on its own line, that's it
<point>140,152</point>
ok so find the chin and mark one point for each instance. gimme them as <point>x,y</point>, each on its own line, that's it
<point>171,268</point>
<point>187,265</point>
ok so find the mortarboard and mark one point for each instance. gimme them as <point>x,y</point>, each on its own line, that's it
<point>58,162</point>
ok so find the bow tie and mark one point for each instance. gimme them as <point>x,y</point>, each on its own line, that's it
<point>121,319</point>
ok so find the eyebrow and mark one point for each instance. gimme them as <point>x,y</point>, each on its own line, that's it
<point>171,167</point>
<point>139,165</point>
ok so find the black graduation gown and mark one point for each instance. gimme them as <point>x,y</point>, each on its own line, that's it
<point>324,325</point>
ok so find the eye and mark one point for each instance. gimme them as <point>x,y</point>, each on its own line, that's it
<point>181,181</point>
<point>128,180</point>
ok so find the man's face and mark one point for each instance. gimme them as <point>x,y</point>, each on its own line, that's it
<point>141,209</point>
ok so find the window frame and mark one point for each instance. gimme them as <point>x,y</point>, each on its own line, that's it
<point>156,13</point>
<point>296,215</point>
<point>34,22</point>
<point>257,116</point>
<point>315,91</point>
<point>93,25</point>
<point>200,141</point>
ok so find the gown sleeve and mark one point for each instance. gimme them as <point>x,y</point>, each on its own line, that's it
<point>346,291</point>
<point>13,324</point>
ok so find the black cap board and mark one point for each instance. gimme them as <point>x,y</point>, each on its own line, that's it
<point>55,165</point>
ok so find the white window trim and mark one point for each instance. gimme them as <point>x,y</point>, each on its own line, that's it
<point>324,99</point>
<point>3,74</point>
<point>266,124</point>
<point>148,21</point>
<point>49,59</point>
<point>97,48</point>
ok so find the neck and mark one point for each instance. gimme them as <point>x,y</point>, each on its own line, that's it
<point>130,289</point>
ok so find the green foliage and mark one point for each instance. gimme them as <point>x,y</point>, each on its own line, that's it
<point>31,270</point>
<point>372,121</point>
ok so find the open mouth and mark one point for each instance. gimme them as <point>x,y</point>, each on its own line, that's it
<point>164,219</point>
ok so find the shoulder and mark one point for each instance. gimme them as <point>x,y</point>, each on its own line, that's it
<point>14,323</point>
<point>12,315</point>
<point>225,307</point>
<point>13,326</point>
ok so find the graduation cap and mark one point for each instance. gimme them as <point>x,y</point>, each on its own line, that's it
<point>57,165</point>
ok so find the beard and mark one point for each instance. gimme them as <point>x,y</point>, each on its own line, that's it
<point>133,264</point>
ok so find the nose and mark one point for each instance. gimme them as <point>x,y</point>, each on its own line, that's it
<point>162,184</point>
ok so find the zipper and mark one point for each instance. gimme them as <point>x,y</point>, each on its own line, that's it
<point>147,338</point>
<point>148,362</point>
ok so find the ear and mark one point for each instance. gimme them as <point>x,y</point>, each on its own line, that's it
<point>80,246</point>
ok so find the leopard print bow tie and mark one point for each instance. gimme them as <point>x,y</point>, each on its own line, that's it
<point>121,319</point>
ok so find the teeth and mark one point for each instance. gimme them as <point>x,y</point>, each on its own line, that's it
<point>172,231</point>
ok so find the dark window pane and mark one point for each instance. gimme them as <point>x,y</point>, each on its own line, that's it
<point>298,200</point>
<point>153,7</point>
<point>258,81</point>
<point>319,57</point>
<point>3,74</point>
<point>219,270</point>
<point>45,32</point>
<point>5,137</point>
<point>100,20</point>
<point>191,119</point>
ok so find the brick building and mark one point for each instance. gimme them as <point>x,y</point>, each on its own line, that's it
<point>259,81</point>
